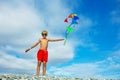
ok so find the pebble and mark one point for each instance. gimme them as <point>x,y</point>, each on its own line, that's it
<point>31,77</point>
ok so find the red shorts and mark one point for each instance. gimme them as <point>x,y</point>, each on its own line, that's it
<point>42,55</point>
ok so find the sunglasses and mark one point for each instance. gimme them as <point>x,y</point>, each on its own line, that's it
<point>44,34</point>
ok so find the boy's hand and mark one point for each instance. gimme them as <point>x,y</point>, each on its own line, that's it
<point>27,50</point>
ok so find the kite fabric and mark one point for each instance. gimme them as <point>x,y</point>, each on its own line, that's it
<point>71,26</point>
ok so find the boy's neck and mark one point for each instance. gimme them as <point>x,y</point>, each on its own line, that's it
<point>44,38</point>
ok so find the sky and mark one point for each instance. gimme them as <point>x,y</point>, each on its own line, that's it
<point>92,49</point>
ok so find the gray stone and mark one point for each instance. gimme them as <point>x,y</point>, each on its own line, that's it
<point>31,77</point>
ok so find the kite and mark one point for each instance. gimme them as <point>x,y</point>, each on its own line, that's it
<point>71,24</point>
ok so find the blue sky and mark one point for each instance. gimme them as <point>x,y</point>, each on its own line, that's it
<point>92,50</point>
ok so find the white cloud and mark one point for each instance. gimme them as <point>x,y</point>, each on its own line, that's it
<point>20,25</point>
<point>11,63</point>
<point>82,70</point>
<point>115,20</point>
<point>54,13</point>
<point>117,53</point>
<point>112,62</point>
<point>116,17</point>
<point>60,54</point>
<point>107,68</point>
<point>86,70</point>
<point>18,19</point>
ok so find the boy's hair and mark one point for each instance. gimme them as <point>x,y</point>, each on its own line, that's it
<point>44,32</point>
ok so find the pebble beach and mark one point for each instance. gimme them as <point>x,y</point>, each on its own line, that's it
<point>32,77</point>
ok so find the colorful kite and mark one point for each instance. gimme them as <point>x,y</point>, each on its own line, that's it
<point>72,20</point>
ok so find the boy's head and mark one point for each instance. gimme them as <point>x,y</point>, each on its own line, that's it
<point>44,33</point>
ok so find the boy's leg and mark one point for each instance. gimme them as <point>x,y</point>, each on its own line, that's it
<point>44,68</point>
<point>38,68</point>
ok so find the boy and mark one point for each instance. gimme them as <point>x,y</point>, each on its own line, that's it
<point>42,55</point>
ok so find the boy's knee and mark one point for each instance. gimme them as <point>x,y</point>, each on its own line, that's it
<point>39,63</point>
<point>44,63</point>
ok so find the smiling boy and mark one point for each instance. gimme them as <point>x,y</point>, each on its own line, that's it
<point>42,54</point>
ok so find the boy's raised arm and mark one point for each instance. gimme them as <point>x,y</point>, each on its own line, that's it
<point>55,40</point>
<point>34,45</point>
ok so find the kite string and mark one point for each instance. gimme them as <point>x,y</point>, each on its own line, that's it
<point>66,37</point>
